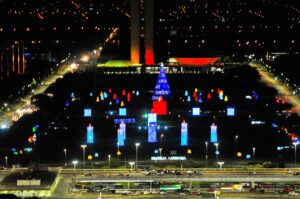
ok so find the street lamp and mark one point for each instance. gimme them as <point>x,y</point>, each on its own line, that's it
<point>295,143</point>
<point>6,161</point>
<point>217,151</point>
<point>65,150</point>
<point>75,162</point>
<point>83,149</point>
<point>109,160</point>
<point>235,145</point>
<point>253,150</point>
<point>161,137</point>
<point>160,149</point>
<point>206,151</point>
<point>131,164</point>
<point>136,155</point>
<point>220,163</point>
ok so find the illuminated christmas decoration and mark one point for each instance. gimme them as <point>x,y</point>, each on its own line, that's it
<point>159,107</point>
<point>87,112</point>
<point>208,96</point>
<point>124,92</point>
<point>200,93</point>
<point>102,98</point>
<point>221,97</point>
<point>196,99</point>
<point>162,87</point>
<point>91,94</point>
<point>122,112</point>
<point>97,99</point>
<point>110,103</point>
<point>67,103</point>
<point>90,134</point>
<point>196,111</point>
<point>189,151</point>
<point>184,134</point>
<point>186,93</point>
<point>115,96</point>
<point>137,93</point>
<point>117,101</point>
<point>189,99</point>
<point>212,90</point>
<point>213,133</point>
<point>121,137</point>
<point>219,91</point>
<point>200,100</point>
<point>122,103</point>
<point>123,128</point>
<point>194,94</point>
<point>133,92</point>
<point>105,94</point>
<point>128,99</point>
<point>226,98</point>
<point>152,128</point>
<point>128,95</point>
<point>118,153</point>
<point>196,89</point>
<point>101,94</point>
<point>109,90</point>
<point>72,95</point>
<point>96,155</point>
<point>230,111</point>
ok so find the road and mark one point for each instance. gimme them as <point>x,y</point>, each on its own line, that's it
<point>285,92</point>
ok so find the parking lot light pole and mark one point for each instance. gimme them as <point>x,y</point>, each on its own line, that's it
<point>83,150</point>
<point>136,155</point>
<point>65,151</point>
<point>295,143</point>
<point>109,156</point>
<point>6,161</point>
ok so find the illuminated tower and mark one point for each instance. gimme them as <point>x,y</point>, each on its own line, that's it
<point>135,32</point>
<point>149,11</point>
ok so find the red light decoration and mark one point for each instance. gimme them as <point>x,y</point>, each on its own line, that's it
<point>123,93</point>
<point>149,57</point>
<point>219,91</point>
<point>128,95</point>
<point>115,96</point>
<point>196,99</point>
<point>293,136</point>
<point>197,61</point>
<point>128,99</point>
<point>208,96</point>
<point>194,94</point>
<point>159,107</point>
<point>109,90</point>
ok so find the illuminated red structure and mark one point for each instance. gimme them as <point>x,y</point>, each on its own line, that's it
<point>159,107</point>
<point>204,61</point>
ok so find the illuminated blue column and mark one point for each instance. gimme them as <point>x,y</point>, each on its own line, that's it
<point>184,134</point>
<point>123,128</point>
<point>121,137</point>
<point>90,134</point>
<point>213,133</point>
<point>152,127</point>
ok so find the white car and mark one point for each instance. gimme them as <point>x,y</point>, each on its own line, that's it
<point>291,193</point>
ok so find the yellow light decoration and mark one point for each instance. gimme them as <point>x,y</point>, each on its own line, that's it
<point>226,98</point>
<point>239,154</point>
<point>212,90</point>
<point>122,103</point>
<point>118,153</point>
<point>101,93</point>
<point>221,93</point>
<point>90,157</point>
<point>196,90</point>
<point>97,100</point>
<point>189,151</point>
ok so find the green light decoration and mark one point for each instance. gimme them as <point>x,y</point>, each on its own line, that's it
<point>33,129</point>
<point>16,153</point>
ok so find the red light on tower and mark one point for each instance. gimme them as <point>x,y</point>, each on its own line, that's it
<point>208,96</point>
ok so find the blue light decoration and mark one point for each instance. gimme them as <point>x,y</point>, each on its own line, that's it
<point>274,125</point>
<point>105,94</point>
<point>90,134</point>
<point>213,133</point>
<point>126,121</point>
<point>217,152</point>
<point>137,93</point>
<point>248,156</point>
<point>162,87</point>
<point>221,96</point>
<point>200,93</point>
<point>184,134</point>
<point>200,100</point>
<point>91,94</point>
<point>122,111</point>
<point>156,151</point>
<point>152,127</point>
<point>117,101</point>
<point>96,155</point>
<point>67,103</point>
<point>121,137</point>
<point>230,111</point>
<point>72,95</point>
<point>186,93</point>
<point>110,103</point>
<point>101,98</point>
<point>196,111</point>
<point>123,128</point>
<point>166,127</point>
<point>189,99</point>
<point>87,112</point>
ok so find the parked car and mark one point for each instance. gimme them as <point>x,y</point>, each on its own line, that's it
<point>291,193</point>
<point>296,173</point>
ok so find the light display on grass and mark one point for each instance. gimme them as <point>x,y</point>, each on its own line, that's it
<point>196,111</point>
<point>122,111</point>
<point>152,127</point>
<point>87,112</point>
<point>213,133</point>
<point>184,134</point>
<point>230,111</point>
<point>90,134</point>
<point>162,87</point>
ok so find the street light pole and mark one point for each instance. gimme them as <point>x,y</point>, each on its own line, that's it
<point>206,151</point>
<point>217,151</point>
<point>235,145</point>
<point>253,150</point>
<point>75,162</point>
<point>6,161</point>
<point>83,149</point>
<point>160,149</point>
<point>109,160</point>
<point>136,155</point>
<point>161,137</point>
<point>65,150</point>
<point>295,143</point>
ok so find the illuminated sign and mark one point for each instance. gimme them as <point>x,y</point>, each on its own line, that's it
<point>87,112</point>
<point>184,134</point>
<point>213,133</point>
<point>230,111</point>
<point>122,112</point>
<point>152,117</point>
<point>160,158</point>
<point>90,134</point>
<point>257,122</point>
<point>196,111</point>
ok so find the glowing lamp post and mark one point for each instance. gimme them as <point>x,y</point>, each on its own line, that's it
<point>65,151</point>
<point>75,162</point>
<point>295,143</point>
<point>83,149</point>
<point>6,161</point>
<point>217,151</point>
<point>206,151</point>
<point>109,156</point>
<point>136,155</point>
<point>160,149</point>
<point>253,150</point>
<point>131,164</point>
<point>220,163</point>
